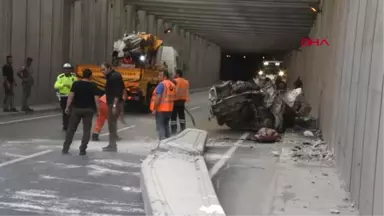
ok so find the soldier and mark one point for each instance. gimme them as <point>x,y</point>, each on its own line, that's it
<point>63,85</point>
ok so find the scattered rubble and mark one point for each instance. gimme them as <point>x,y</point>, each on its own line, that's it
<point>334,211</point>
<point>312,150</point>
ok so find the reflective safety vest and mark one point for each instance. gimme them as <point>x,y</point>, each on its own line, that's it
<point>103,99</point>
<point>167,98</point>
<point>64,83</point>
<point>182,89</point>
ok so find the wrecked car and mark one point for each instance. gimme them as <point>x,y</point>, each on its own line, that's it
<point>254,104</point>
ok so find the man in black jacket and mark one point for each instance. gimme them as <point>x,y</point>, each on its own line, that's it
<point>83,101</point>
<point>114,91</point>
<point>9,84</point>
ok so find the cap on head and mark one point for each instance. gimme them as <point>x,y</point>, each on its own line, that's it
<point>67,66</point>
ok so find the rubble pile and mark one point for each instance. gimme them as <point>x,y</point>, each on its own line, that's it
<point>256,104</point>
<point>312,150</point>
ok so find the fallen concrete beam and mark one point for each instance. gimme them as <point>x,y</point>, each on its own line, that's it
<point>190,141</point>
<point>175,178</point>
<point>177,184</point>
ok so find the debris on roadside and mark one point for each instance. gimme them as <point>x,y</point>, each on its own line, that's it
<point>312,150</point>
<point>275,153</point>
<point>334,211</point>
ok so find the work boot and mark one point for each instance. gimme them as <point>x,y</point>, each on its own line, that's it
<point>65,151</point>
<point>182,126</point>
<point>83,152</point>
<point>110,148</point>
<point>95,137</point>
<point>173,129</point>
<point>6,110</point>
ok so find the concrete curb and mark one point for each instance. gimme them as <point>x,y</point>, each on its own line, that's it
<point>175,179</point>
<point>37,111</point>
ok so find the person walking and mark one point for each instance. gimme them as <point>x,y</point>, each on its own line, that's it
<point>25,74</point>
<point>9,84</point>
<point>114,94</point>
<point>182,96</point>
<point>63,85</point>
<point>104,116</point>
<point>162,104</point>
<point>83,101</point>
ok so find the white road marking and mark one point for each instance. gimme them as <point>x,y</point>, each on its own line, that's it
<point>119,130</point>
<point>13,155</point>
<point>125,188</point>
<point>219,164</point>
<point>29,119</point>
<point>193,108</point>
<point>25,158</point>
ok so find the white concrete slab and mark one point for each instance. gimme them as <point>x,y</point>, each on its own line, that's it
<point>190,141</point>
<point>177,184</point>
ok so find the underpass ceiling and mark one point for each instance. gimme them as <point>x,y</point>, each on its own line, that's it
<point>262,26</point>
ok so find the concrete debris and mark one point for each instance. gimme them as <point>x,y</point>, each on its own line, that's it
<point>312,150</point>
<point>334,211</point>
<point>178,159</point>
<point>308,133</point>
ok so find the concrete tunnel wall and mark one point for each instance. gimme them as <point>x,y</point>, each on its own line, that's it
<point>344,84</point>
<point>56,31</point>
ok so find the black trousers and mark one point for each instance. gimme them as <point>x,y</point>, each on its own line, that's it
<point>76,115</point>
<point>8,97</point>
<point>63,105</point>
<point>178,112</point>
<point>112,124</point>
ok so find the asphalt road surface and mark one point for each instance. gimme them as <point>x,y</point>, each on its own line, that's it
<point>35,179</point>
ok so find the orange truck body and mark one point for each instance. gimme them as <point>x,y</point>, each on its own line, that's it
<point>139,82</point>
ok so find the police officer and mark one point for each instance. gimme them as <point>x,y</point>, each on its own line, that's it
<point>182,96</point>
<point>63,85</point>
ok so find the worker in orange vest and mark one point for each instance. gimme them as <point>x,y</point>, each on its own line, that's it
<point>162,104</point>
<point>104,116</point>
<point>182,96</point>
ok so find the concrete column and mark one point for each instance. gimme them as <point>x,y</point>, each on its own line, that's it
<point>130,16</point>
<point>142,21</point>
<point>160,28</point>
<point>355,92</point>
<point>182,47</point>
<point>167,38</point>
<point>151,24</point>
<point>187,53</point>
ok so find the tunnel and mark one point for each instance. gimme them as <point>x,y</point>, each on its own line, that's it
<point>334,46</point>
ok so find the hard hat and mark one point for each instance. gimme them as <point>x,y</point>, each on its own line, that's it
<point>67,66</point>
